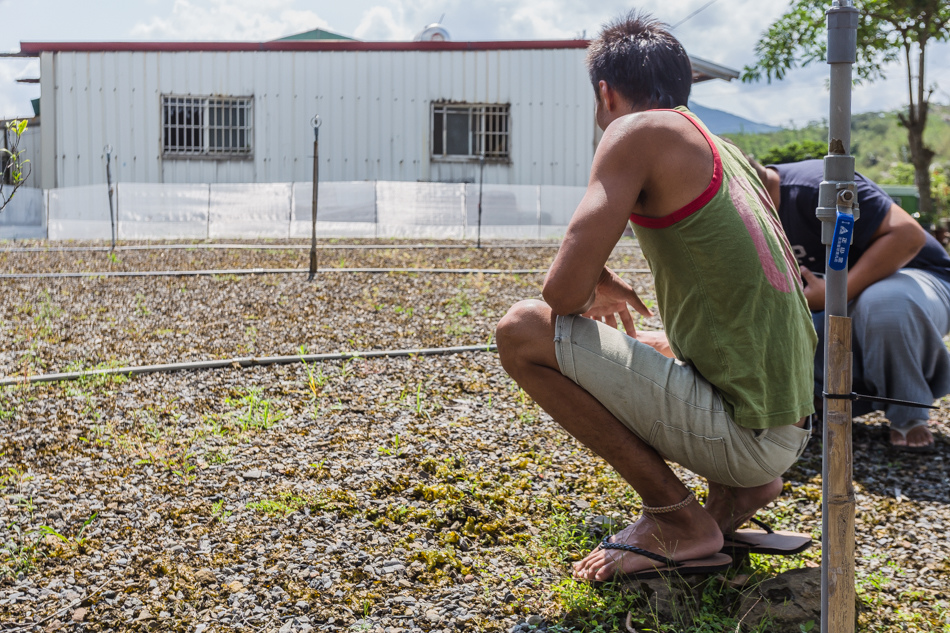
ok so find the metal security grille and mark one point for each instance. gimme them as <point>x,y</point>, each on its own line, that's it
<point>207,126</point>
<point>471,130</point>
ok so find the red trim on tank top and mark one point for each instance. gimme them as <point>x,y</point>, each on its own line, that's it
<point>699,202</point>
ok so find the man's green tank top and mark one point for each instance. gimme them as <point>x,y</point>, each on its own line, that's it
<point>730,295</point>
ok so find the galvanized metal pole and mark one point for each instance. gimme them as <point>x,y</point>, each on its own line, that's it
<point>315,122</point>
<point>108,151</point>
<point>837,210</point>
<point>481,180</point>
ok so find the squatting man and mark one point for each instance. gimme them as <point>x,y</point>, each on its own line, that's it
<point>733,408</point>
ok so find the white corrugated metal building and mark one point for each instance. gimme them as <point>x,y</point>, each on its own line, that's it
<point>214,139</point>
<point>529,104</point>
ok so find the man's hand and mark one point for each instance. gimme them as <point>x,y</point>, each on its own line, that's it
<point>658,341</point>
<point>611,297</point>
<point>814,290</point>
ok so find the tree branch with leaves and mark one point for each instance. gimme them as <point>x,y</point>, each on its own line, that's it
<point>888,31</point>
<point>14,168</point>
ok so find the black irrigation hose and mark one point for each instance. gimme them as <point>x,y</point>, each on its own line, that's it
<point>276,247</point>
<point>289,271</point>
<point>246,361</point>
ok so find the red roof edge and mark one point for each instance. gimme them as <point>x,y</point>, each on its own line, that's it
<point>35,48</point>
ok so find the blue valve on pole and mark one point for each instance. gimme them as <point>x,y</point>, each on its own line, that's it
<point>841,243</point>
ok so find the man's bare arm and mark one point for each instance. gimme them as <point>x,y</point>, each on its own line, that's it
<point>617,177</point>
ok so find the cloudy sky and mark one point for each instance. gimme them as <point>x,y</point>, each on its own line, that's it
<point>724,32</point>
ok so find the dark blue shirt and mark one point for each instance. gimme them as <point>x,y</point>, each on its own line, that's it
<point>799,199</point>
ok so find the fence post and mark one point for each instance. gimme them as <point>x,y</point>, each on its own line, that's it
<point>108,151</point>
<point>481,181</point>
<point>315,122</point>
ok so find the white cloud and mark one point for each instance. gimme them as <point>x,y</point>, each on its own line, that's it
<point>379,24</point>
<point>241,20</point>
<point>14,97</point>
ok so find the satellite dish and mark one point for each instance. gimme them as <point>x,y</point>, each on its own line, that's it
<point>434,32</point>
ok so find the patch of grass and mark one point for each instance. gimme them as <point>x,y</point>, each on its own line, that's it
<point>19,551</point>
<point>76,542</point>
<point>284,505</point>
<point>6,407</point>
<point>173,459</point>
<point>140,308</point>
<point>393,449</point>
<point>218,513</point>
<point>218,456</point>
<point>254,411</point>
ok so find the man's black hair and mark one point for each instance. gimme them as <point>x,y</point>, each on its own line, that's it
<point>641,61</point>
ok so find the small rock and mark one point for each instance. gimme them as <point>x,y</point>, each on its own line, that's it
<point>53,542</point>
<point>789,600</point>
<point>235,587</point>
<point>79,615</point>
<point>535,620</point>
<point>255,473</point>
<point>144,615</point>
<point>205,576</point>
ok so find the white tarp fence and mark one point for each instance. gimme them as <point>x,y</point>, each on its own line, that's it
<point>282,210</point>
<point>24,216</point>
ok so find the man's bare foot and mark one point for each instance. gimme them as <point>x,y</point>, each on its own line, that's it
<point>731,507</point>
<point>917,435</point>
<point>686,534</point>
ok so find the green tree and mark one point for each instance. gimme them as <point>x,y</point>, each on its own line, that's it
<point>888,31</point>
<point>793,152</point>
<point>14,169</point>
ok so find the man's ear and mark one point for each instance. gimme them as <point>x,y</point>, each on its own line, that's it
<point>607,96</point>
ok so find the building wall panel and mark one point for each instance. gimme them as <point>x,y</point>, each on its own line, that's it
<point>375,107</point>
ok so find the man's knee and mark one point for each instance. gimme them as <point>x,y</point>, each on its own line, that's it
<point>878,311</point>
<point>523,324</point>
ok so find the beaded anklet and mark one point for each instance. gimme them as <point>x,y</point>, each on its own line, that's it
<point>673,508</point>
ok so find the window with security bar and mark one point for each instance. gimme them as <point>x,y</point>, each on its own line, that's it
<point>207,127</point>
<point>468,131</point>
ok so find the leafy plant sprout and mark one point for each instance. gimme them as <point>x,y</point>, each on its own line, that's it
<point>392,450</point>
<point>14,167</point>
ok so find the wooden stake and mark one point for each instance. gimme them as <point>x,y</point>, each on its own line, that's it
<point>838,608</point>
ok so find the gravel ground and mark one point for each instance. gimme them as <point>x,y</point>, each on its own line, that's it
<point>394,494</point>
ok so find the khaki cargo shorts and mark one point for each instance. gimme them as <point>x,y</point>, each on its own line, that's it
<point>671,407</point>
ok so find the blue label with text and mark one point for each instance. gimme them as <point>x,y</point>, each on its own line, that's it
<point>841,243</point>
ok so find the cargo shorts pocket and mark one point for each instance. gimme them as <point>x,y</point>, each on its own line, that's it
<point>705,456</point>
<point>782,446</point>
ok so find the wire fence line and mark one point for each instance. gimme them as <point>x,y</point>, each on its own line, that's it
<point>291,271</point>
<point>157,246</point>
<point>367,209</point>
<point>241,362</point>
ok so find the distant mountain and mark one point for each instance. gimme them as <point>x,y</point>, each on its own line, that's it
<point>720,122</point>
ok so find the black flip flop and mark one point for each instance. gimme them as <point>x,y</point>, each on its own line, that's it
<point>710,565</point>
<point>765,541</point>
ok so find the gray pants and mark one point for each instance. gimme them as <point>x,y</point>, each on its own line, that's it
<point>898,325</point>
